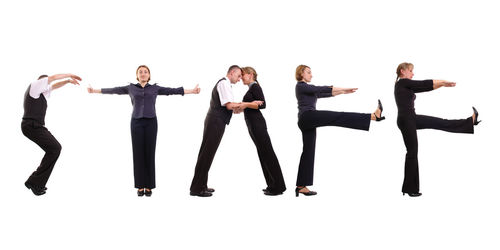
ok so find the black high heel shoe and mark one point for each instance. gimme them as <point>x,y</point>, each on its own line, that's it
<point>140,192</point>
<point>381,109</point>
<point>476,114</point>
<point>412,194</point>
<point>148,192</point>
<point>297,192</point>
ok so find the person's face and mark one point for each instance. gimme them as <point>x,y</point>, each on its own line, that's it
<point>235,76</point>
<point>247,78</point>
<point>307,75</point>
<point>407,73</point>
<point>143,75</point>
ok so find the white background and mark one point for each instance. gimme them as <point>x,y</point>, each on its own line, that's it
<point>91,202</point>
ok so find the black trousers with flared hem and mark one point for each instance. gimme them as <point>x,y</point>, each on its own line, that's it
<point>257,129</point>
<point>212,135</point>
<point>40,135</point>
<point>308,122</point>
<point>408,124</point>
<point>144,131</point>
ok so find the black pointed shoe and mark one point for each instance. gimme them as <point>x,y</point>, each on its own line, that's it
<point>297,192</point>
<point>476,114</point>
<point>381,109</point>
<point>413,194</point>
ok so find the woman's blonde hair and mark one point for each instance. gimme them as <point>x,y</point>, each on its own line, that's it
<point>250,70</point>
<point>401,66</point>
<point>143,66</point>
<point>298,72</point>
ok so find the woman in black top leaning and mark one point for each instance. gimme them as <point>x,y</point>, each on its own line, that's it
<point>253,101</point>
<point>310,118</point>
<point>408,121</point>
<point>144,125</point>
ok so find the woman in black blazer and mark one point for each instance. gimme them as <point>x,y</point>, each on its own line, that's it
<point>253,101</point>
<point>310,118</point>
<point>144,125</point>
<point>408,121</point>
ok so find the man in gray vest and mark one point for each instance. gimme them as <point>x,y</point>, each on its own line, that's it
<point>33,126</point>
<point>219,114</point>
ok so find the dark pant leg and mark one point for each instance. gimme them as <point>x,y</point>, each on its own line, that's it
<point>268,160</point>
<point>150,132</point>
<point>408,128</point>
<point>138,147</point>
<point>306,165</point>
<point>45,140</point>
<point>321,118</point>
<point>212,135</point>
<point>453,126</point>
<point>309,121</point>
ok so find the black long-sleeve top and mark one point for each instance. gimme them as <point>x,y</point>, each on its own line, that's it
<point>254,93</point>
<point>308,94</point>
<point>404,92</point>
<point>143,99</point>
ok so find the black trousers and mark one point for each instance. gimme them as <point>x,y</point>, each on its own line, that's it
<point>257,128</point>
<point>144,131</point>
<point>43,138</point>
<point>308,122</point>
<point>408,124</point>
<point>212,135</point>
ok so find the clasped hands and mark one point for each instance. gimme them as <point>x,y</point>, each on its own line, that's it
<point>240,106</point>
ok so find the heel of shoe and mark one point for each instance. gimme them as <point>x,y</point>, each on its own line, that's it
<point>297,192</point>
<point>476,114</point>
<point>381,110</point>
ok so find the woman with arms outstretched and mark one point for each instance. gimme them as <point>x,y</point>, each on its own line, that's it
<point>408,121</point>
<point>310,118</point>
<point>144,125</point>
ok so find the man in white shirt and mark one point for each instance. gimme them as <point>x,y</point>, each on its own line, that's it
<point>33,126</point>
<point>219,114</point>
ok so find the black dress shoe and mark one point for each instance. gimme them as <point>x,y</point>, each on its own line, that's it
<point>35,189</point>
<point>148,193</point>
<point>140,192</point>
<point>202,193</point>
<point>297,192</point>
<point>476,122</point>
<point>381,109</point>
<point>271,193</point>
<point>210,190</point>
<point>412,194</point>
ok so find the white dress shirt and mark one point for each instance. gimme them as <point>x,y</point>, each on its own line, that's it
<point>225,92</point>
<point>40,87</point>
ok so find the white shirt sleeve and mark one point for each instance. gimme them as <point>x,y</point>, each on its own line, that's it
<point>225,92</point>
<point>40,87</point>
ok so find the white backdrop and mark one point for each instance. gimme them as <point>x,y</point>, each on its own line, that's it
<point>91,202</point>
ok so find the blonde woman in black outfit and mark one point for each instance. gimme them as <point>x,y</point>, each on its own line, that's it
<point>310,118</point>
<point>253,102</point>
<point>408,121</point>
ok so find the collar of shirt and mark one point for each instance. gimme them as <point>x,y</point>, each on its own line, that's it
<point>250,85</point>
<point>139,85</point>
<point>226,79</point>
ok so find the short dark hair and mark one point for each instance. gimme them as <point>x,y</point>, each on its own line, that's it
<point>42,76</point>
<point>233,67</point>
